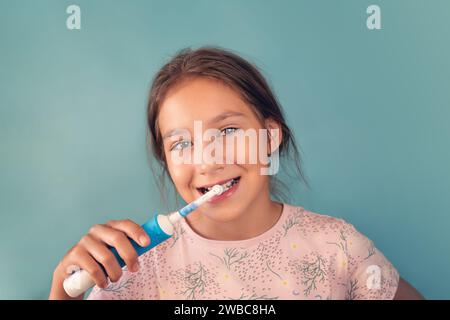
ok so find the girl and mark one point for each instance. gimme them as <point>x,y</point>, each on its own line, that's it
<point>243,245</point>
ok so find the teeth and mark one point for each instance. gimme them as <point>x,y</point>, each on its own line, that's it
<point>226,186</point>
<point>229,184</point>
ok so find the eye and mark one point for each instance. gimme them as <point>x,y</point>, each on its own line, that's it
<point>229,130</point>
<point>181,145</point>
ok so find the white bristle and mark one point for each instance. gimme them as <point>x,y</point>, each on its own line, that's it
<point>218,189</point>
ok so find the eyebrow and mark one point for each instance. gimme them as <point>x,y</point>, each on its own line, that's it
<point>216,119</point>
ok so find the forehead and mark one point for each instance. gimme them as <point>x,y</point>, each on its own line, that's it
<point>200,99</point>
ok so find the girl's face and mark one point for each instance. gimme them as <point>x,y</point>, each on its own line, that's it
<point>215,106</point>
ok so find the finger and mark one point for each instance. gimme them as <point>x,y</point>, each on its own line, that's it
<point>98,250</point>
<point>85,261</point>
<point>132,230</point>
<point>119,241</point>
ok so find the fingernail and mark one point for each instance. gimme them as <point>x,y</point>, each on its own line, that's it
<point>143,240</point>
<point>136,266</point>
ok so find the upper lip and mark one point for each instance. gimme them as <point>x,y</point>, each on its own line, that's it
<point>219,182</point>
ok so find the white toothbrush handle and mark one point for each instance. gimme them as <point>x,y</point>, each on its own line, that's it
<point>78,283</point>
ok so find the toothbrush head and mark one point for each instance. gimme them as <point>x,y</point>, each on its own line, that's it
<point>215,191</point>
<point>218,189</point>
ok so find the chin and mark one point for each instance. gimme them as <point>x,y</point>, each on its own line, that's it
<point>224,213</point>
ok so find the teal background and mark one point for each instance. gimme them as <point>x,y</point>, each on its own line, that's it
<point>370,110</point>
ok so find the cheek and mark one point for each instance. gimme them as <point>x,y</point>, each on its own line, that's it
<point>255,183</point>
<point>180,174</point>
<point>246,151</point>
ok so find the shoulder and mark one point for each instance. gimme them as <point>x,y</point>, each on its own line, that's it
<point>317,224</point>
<point>365,271</point>
<point>324,231</point>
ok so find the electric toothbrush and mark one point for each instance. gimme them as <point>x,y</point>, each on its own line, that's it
<point>159,229</point>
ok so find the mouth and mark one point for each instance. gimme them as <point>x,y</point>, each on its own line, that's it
<point>226,184</point>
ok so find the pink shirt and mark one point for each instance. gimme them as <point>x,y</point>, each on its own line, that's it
<point>305,255</point>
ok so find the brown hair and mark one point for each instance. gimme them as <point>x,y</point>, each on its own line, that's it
<point>234,71</point>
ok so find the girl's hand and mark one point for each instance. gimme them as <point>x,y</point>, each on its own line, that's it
<point>92,249</point>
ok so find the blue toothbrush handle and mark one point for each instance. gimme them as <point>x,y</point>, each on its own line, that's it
<point>156,233</point>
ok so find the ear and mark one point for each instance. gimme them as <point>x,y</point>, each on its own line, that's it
<point>275,135</point>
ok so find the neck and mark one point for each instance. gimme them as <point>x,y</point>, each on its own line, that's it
<point>260,216</point>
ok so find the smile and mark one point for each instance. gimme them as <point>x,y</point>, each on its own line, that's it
<point>226,185</point>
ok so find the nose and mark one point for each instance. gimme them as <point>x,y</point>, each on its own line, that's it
<point>208,163</point>
<point>209,169</point>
